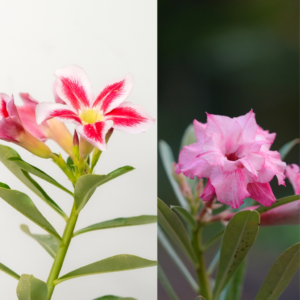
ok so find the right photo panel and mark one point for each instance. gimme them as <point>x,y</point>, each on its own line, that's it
<point>228,166</point>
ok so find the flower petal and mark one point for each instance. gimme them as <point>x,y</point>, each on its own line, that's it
<point>292,173</point>
<point>56,97</point>
<point>209,192</point>
<point>130,118</point>
<point>199,129</point>
<point>95,133</point>
<point>262,193</point>
<point>230,186</point>
<point>3,104</point>
<point>63,113</point>
<point>10,129</point>
<point>253,162</point>
<point>248,125</point>
<point>73,87</point>
<point>113,94</point>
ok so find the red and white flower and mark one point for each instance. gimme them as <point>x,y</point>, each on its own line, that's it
<point>94,116</point>
<point>233,153</point>
<point>12,129</point>
<point>51,129</point>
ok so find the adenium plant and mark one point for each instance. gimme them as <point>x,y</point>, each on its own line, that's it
<point>223,164</point>
<point>29,126</point>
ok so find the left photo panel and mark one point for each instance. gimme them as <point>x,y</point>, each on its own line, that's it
<point>78,158</point>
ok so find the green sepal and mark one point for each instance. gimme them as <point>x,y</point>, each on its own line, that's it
<point>117,263</point>
<point>31,288</point>
<point>120,222</point>
<point>48,242</point>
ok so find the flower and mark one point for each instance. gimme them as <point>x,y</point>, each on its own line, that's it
<point>233,153</point>
<point>12,129</point>
<point>292,173</point>
<point>92,116</point>
<point>51,129</point>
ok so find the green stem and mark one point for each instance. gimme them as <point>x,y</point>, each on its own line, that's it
<point>62,251</point>
<point>200,267</point>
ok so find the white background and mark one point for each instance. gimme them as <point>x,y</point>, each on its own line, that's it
<point>108,39</point>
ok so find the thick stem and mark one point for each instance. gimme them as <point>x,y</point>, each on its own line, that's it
<point>200,267</point>
<point>62,251</point>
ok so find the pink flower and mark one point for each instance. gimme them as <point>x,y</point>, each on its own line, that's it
<point>233,153</point>
<point>92,116</point>
<point>51,129</point>
<point>292,173</point>
<point>12,129</point>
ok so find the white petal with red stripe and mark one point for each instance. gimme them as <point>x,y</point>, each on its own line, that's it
<point>95,133</point>
<point>130,118</point>
<point>114,93</point>
<point>73,87</point>
<point>64,113</point>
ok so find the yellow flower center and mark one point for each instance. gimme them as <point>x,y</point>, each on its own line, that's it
<point>90,116</point>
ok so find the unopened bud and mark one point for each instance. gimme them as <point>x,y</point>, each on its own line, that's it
<point>184,187</point>
<point>75,147</point>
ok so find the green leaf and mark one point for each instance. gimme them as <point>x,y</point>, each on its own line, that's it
<point>5,186</point>
<point>188,137</point>
<point>31,288</point>
<point>280,274</point>
<point>214,262</point>
<point>174,227</point>
<point>286,148</point>
<point>37,172</point>
<point>184,214</point>
<point>5,154</point>
<point>8,271</point>
<point>235,285</point>
<point>168,247</point>
<point>120,222</point>
<point>238,238</point>
<point>262,209</point>
<point>117,263</point>
<point>48,242</point>
<point>168,160</point>
<point>87,184</point>
<point>163,279</point>
<point>111,297</point>
<point>213,239</point>
<point>22,203</point>
<point>70,163</point>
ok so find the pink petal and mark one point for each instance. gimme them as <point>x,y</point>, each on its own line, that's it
<point>3,108</point>
<point>292,173</point>
<point>253,162</point>
<point>28,100</point>
<point>209,192</point>
<point>248,125</point>
<point>262,193</point>
<point>95,133</point>
<point>114,94</point>
<point>11,129</point>
<point>56,97</point>
<point>130,118</point>
<point>63,113</point>
<point>190,165</point>
<point>73,87</point>
<point>230,186</point>
<point>199,129</point>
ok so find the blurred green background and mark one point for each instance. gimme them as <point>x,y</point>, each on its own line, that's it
<point>226,57</point>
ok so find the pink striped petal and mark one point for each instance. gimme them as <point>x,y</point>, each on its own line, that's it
<point>209,192</point>
<point>63,113</point>
<point>56,97</point>
<point>11,129</point>
<point>73,87</point>
<point>262,193</point>
<point>114,94</point>
<point>130,118</point>
<point>3,104</point>
<point>95,133</point>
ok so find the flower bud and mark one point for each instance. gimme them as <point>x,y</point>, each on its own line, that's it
<point>76,145</point>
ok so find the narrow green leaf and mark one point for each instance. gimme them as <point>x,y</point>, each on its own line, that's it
<point>280,274</point>
<point>5,154</point>
<point>168,160</point>
<point>87,184</point>
<point>188,137</point>
<point>117,263</point>
<point>5,186</point>
<point>213,239</point>
<point>163,279</point>
<point>48,242</point>
<point>214,262</point>
<point>8,271</point>
<point>238,238</point>
<point>182,212</point>
<point>111,297</point>
<point>120,222</point>
<point>168,247</point>
<point>37,172</point>
<point>286,148</point>
<point>262,209</point>
<point>235,285</point>
<point>174,227</point>
<point>70,163</point>
<point>22,203</point>
<point>31,288</point>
